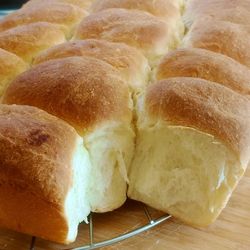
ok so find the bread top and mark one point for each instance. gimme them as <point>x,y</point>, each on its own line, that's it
<point>205,106</point>
<point>205,64</point>
<point>57,13</point>
<point>160,8</point>
<point>84,4</point>
<point>232,11</point>
<point>83,91</point>
<point>132,65</point>
<point>226,38</point>
<point>135,28</point>
<point>36,151</point>
<point>28,40</point>
<point>10,66</point>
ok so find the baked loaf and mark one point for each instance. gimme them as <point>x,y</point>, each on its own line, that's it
<point>131,64</point>
<point>84,4</point>
<point>27,41</point>
<point>58,13</point>
<point>136,28</point>
<point>10,66</point>
<point>90,95</point>
<point>44,174</point>
<point>90,64</point>
<point>160,8</point>
<point>207,65</point>
<point>223,37</point>
<point>192,148</point>
<point>236,11</point>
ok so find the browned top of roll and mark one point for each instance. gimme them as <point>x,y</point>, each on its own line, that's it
<point>226,38</point>
<point>80,3</point>
<point>226,10</point>
<point>132,65</point>
<point>58,13</point>
<point>83,91</point>
<point>135,28</point>
<point>207,65</point>
<point>28,40</point>
<point>36,151</point>
<point>10,66</point>
<point>160,8</point>
<point>206,106</point>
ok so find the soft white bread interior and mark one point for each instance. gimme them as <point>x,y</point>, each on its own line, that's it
<point>10,66</point>
<point>233,11</point>
<point>205,64</point>
<point>44,174</point>
<point>66,15</point>
<point>192,148</point>
<point>27,41</point>
<point>136,28</point>
<point>91,96</point>
<point>131,64</point>
<point>223,37</point>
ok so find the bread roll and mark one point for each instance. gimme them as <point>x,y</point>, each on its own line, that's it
<point>192,148</point>
<point>84,4</point>
<point>90,95</point>
<point>10,66</point>
<point>44,174</point>
<point>226,38</point>
<point>236,11</point>
<point>27,41</point>
<point>207,65</point>
<point>136,28</point>
<point>160,8</point>
<point>131,64</point>
<point>57,13</point>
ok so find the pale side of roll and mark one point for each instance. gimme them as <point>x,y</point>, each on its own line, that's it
<point>44,174</point>
<point>192,148</point>
<point>91,96</point>
<point>205,64</point>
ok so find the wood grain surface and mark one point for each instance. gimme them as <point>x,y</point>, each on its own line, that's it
<point>230,232</point>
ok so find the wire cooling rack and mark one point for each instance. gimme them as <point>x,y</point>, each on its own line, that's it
<point>151,222</point>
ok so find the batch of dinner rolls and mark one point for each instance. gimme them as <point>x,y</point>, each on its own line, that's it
<point>107,99</point>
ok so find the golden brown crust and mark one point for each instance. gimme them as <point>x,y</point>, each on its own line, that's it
<point>226,38</point>
<point>83,91</point>
<point>36,151</point>
<point>10,66</point>
<point>84,4</point>
<point>160,8</point>
<point>28,40</point>
<point>135,28</point>
<point>236,11</point>
<point>207,65</point>
<point>57,13</point>
<point>131,64</point>
<point>203,105</point>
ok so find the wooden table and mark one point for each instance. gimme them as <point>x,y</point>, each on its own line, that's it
<point>230,231</point>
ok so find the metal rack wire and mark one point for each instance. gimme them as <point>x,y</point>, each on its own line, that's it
<point>95,245</point>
